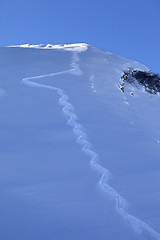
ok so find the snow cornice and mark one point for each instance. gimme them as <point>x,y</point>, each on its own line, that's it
<point>68,47</point>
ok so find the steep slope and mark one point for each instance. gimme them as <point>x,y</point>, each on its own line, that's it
<point>49,189</point>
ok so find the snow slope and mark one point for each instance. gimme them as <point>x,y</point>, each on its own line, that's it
<point>79,158</point>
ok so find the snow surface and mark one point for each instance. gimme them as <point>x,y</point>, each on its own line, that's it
<point>79,158</point>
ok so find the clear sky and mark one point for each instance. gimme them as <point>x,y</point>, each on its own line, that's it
<point>130,28</point>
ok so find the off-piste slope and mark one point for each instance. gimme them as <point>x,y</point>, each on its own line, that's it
<point>79,148</point>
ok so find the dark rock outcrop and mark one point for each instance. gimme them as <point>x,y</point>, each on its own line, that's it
<point>149,80</point>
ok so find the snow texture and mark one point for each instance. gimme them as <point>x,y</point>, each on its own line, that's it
<point>103,71</point>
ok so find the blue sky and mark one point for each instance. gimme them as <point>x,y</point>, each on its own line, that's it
<point>128,28</point>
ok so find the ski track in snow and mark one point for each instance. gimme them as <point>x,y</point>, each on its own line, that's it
<point>82,139</point>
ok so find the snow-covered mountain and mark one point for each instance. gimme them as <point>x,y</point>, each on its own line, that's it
<point>79,146</point>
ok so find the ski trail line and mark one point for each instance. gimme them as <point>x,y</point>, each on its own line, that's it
<point>81,138</point>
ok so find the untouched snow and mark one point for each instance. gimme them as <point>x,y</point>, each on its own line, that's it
<point>48,188</point>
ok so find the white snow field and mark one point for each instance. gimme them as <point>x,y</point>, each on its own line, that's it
<point>79,158</point>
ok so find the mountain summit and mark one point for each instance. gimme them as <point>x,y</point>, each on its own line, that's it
<point>79,145</point>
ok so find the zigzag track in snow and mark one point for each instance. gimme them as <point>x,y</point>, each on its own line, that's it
<point>82,138</point>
